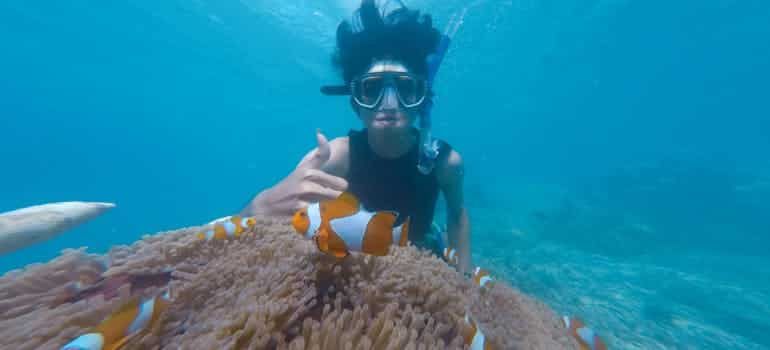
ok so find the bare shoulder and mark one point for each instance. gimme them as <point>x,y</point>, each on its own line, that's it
<point>450,169</point>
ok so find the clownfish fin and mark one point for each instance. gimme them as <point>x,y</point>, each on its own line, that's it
<point>337,246</point>
<point>349,200</point>
<point>322,240</point>
<point>404,233</point>
<point>379,233</point>
<point>344,205</point>
<point>118,344</point>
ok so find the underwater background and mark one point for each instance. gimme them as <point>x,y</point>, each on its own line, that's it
<point>616,151</point>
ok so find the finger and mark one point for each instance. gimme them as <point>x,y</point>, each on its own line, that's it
<point>327,180</point>
<point>316,193</point>
<point>324,151</point>
<point>321,154</point>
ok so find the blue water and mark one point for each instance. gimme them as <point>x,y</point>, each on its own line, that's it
<point>616,150</point>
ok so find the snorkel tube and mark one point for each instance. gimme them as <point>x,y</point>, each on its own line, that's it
<point>428,145</point>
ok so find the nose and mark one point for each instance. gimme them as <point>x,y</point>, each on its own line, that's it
<point>389,99</point>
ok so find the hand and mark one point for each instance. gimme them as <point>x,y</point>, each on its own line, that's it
<point>308,183</point>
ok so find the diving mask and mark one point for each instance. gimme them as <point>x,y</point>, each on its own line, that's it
<point>369,89</point>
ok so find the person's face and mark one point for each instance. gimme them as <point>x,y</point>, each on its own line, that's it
<point>389,115</point>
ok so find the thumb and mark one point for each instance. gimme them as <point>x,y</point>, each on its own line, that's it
<point>322,153</point>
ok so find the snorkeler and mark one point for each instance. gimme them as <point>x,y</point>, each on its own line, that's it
<point>388,56</point>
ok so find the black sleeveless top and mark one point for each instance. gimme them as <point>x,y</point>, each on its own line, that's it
<point>394,184</point>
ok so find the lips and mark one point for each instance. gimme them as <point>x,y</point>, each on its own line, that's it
<point>385,118</point>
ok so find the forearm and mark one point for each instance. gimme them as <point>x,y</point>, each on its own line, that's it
<point>458,230</point>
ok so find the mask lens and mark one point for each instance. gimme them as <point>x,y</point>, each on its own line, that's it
<point>369,89</point>
<point>410,89</point>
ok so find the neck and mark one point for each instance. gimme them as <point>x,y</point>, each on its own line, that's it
<point>391,145</point>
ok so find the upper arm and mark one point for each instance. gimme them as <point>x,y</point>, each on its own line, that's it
<point>450,176</point>
<point>338,162</point>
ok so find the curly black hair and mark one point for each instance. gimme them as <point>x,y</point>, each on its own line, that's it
<point>402,34</point>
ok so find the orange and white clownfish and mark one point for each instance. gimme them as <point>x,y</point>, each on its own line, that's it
<point>450,255</point>
<point>339,226</point>
<point>481,277</point>
<point>127,321</point>
<point>586,337</point>
<point>474,338</point>
<point>231,227</point>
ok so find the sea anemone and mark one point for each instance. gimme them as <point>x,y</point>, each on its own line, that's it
<point>271,289</point>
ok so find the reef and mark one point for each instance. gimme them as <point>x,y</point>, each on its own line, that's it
<point>269,289</point>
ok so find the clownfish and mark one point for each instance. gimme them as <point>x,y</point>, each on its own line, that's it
<point>231,227</point>
<point>585,336</point>
<point>481,277</point>
<point>474,338</point>
<point>450,255</point>
<point>127,321</point>
<point>340,225</point>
